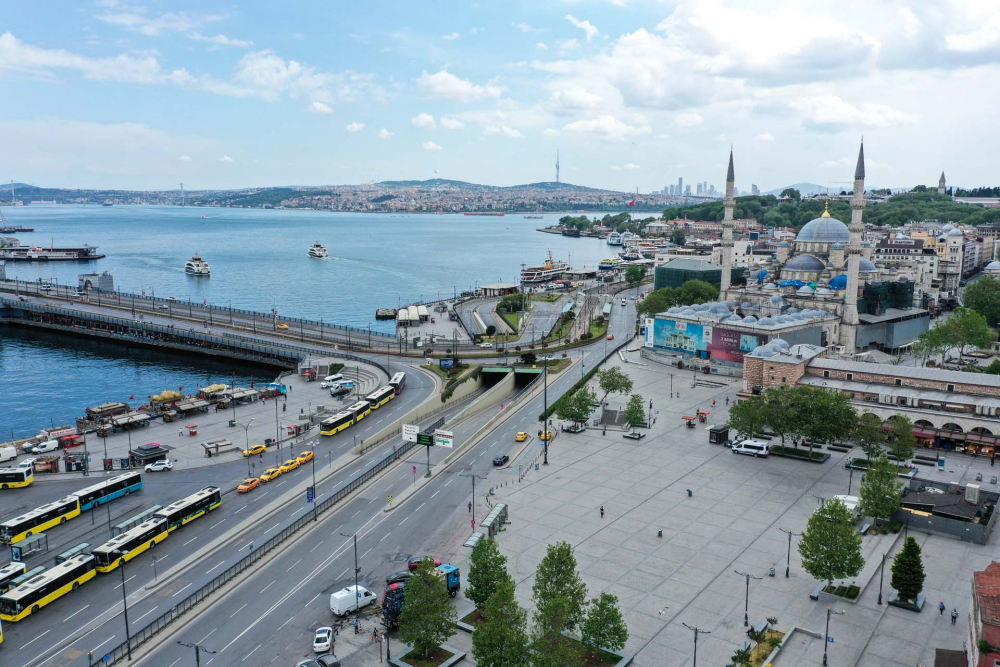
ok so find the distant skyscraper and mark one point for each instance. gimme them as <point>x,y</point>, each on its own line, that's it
<point>680,186</point>
<point>701,187</point>
<point>557,165</point>
<point>754,190</point>
<point>711,189</point>
<point>687,189</point>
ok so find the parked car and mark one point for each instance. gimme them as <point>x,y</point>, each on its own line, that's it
<point>545,435</point>
<point>248,485</point>
<point>415,562</point>
<point>398,577</point>
<point>255,450</point>
<point>486,346</point>
<point>328,660</point>
<point>323,639</point>
<point>160,466</point>
<point>46,446</point>
<point>611,336</point>
<point>339,391</point>
<point>501,460</point>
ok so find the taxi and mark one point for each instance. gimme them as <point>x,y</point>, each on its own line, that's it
<point>545,435</point>
<point>283,326</point>
<point>248,485</point>
<point>270,473</point>
<point>305,457</point>
<point>289,465</point>
<point>521,436</point>
<point>255,450</point>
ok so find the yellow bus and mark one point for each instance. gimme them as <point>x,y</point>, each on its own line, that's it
<point>40,519</point>
<point>131,543</point>
<point>47,587</point>
<point>345,418</point>
<point>380,397</point>
<point>360,410</point>
<point>16,478</point>
<point>188,509</point>
<point>9,573</point>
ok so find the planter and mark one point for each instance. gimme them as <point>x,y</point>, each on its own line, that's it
<point>449,656</point>
<point>634,436</point>
<point>862,465</point>
<point>906,604</point>
<point>787,453</point>
<point>468,619</point>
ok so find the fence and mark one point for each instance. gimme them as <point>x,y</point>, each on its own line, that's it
<point>158,624</point>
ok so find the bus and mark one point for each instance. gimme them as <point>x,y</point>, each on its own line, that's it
<point>108,490</point>
<point>47,587</point>
<point>17,581</point>
<point>380,397</point>
<point>337,423</point>
<point>188,509</point>
<point>10,572</point>
<point>131,543</point>
<point>39,519</point>
<point>16,478</point>
<point>397,382</point>
<point>359,410</point>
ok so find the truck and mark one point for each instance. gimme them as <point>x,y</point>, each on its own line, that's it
<point>452,576</point>
<point>395,593</point>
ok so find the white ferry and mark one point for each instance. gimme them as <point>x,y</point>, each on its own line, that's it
<point>316,250</point>
<point>610,264</point>
<point>614,238</point>
<point>196,266</point>
<point>548,271</point>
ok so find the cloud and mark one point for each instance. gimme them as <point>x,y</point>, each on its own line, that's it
<point>551,133</point>
<point>568,45</point>
<point>542,46</point>
<point>524,27</point>
<point>451,36</point>
<point>319,107</point>
<point>767,136</point>
<point>837,164</point>
<point>445,85</point>
<point>832,113</point>
<point>184,158</point>
<point>431,146</point>
<point>225,158</point>
<point>508,132</point>
<point>136,21</point>
<point>18,56</point>
<point>688,119</point>
<point>355,127</point>
<point>385,135</point>
<point>222,40</point>
<point>423,120</point>
<point>452,124</point>
<point>983,38</point>
<point>585,26</point>
<point>606,127</point>
<point>628,166</point>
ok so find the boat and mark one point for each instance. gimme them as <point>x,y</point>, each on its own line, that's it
<point>499,215</point>
<point>108,202</point>
<point>614,238</point>
<point>630,254</point>
<point>11,250</point>
<point>628,238</point>
<point>575,233</point>
<point>316,250</point>
<point>548,271</point>
<point>532,217</point>
<point>196,266</point>
<point>609,264</point>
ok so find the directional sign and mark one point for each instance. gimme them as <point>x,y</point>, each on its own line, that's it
<point>410,432</point>
<point>425,439</point>
<point>444,438</point>
<point>829,639</point>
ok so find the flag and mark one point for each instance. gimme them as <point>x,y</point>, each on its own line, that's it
<point>632,203</point>
<point>132,397</point>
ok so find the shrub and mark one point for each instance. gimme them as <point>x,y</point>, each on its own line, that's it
<point>852,591</point>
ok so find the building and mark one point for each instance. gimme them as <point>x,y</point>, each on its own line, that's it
<point>743,256</point>
<point>942,189</point>
<point>677,271</point>
<point>984,619</point>
<point>499,289</point>
<point>103,282</point>
<point>754,190</point>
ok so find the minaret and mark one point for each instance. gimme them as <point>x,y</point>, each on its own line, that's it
<point>557,165</point>
<point>941,187</point>
<point>727,231</point>
<point>849,320</point>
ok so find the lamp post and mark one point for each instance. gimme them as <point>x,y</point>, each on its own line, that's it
<point>746,608</point>
<point>197,651</point>
<point>545,414</point>
<point>826,643</point>
<point>246,432</point>
<point>473,476</point>
<point>850,480</point>
<point>881,576</point>
<point>697,631</point>
<point>788,559</point>
<point>128,636</point>
<point>313,460</point>
<point>357,608</point>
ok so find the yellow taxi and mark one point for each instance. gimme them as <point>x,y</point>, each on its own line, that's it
<point>270,473</point>
<point>255,450</point>
<point>521,436</point>
<point>289,465</point>
<point>305,457</point>
<point>283,326</point>
<point>611,336</point>
<point>545,435</point>
<point>248,485</point>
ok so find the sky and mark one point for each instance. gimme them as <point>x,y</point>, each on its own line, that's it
<point>632,93</point>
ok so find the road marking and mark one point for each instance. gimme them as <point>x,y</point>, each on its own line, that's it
<point>285,623</point>
<point>240,509</point>
<point>418,509</point>
<point>143,616</point>
<point>293,565</point>
<point>274,526</point>
<point>313,600</point>
<point>94,650</point>
<point>316,547</point>
<point>357,513</point>
<point>39,637</point>
<point>189,541</point>
<point>126,581</point>
<point>344,572</point>
<point>175,662</point>
<point>221,563</point>
<point>239,610</point>
<point>209,634</point>
<point>281,482</point>
<point>383,537</point>
<point>259,496</point>
<point>214,525</point>
<point>251,653</point>
<point>449,481</point>
<point>180,591</point>
<point>436,492</point>
<point>366,553</point>
<point>403,521</point>
<point>265,588</point>
<point>74,614</point>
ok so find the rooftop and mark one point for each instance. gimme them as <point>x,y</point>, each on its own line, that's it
<point>911,372</point>
<point>952,505</point>
<point>986,585</point>
<point>891,314</point>
<point>944,398</point>
<point>786,355</point>
<point>688,264</point>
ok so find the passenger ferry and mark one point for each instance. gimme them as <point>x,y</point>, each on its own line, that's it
<point>196,266</point>
<point>548,271</point>
<point>316,250</point>
<point>628,238</point>
<point>614,238</point>
<point>610,264</point>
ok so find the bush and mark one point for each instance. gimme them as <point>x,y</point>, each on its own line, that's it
<point>586,336</point>
<point>852,592</point>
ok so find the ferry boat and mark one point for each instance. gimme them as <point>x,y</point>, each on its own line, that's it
<point>547,272</point>
<point>493,215</point>
<point>196,266</point>
<point>532,217</point>
<point>628,238</point>
<point>614,238</point>
<point>316,250</point>
<point>630,254</point>
<point>609,264</point>
<point>11,250</point>
<point>108,202</point>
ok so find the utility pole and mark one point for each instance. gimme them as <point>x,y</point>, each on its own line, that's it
<point>357,607</point>
<point>826,643</point>
<point>697,631</point>
<point>197,651</point>
<point>473,476</point>
<point>746,608</point>
<point>545,414</point>
<point>788,560</point>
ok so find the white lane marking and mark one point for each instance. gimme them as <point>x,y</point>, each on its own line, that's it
<point>175,662</point>
<point>344,572</point>
<point>449,481</point>
<point>259,496</point>
<point>402,522</point>
<point>180,591</point>
<point>215,524</point>
<point>251,653</point>
<point>383,537</point>
<point>39,637</point>
<point>239,610</point>
<point>145,615</point>
<point>436,492</point>
<point>316,547</point>
<point>286,622</point>
<point>266,587</point>
<point>293,565</point>
<point>366,553</point>
<point>94,650</point>
<point>418,509</point>
<point>207,636</point>
<point>273,527</point>
<point>189,541</point>
<point>281,482</point>
<point>357,513</point>
<point>74,614</point>
<point>313,600</point>
<point>126,581</point>
<point>217,566</point>
<point>240,510</point>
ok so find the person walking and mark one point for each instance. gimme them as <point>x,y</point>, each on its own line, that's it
<point>941,607</point>
<point>602,511</point>
<point>993,457</point>
<point>727,400</point>
<point>954,616</point>
<point>470,507</point>
<point>180,432</point>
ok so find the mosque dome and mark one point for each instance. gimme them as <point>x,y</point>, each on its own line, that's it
<point>865,266</point>
<point>824,229</point>
<point>837,246</point>
<point>805,263</point>
<point>956,232</point>
<point>749,319</point>
<point>947,228</point>
<point>763,351</point>
<point>766,322</point>
<point>770,286</point>
<point>784,244</point>
<point>993,266</point>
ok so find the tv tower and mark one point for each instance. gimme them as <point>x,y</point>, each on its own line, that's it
<point>557,165</point>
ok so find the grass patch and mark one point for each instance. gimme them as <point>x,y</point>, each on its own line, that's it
<point>548,297</point>
<point>598,330</point>
<point>561,328</point>
<point>474,618</point>
<point>760,652</point>
<point>434,659</point>
<point>800,453</point>
<point>850,592</point>
<point>512,320</point>
<point>335,368</point>
<point>863,463</point>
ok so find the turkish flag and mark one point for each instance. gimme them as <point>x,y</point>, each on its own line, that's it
<point>632,203</point>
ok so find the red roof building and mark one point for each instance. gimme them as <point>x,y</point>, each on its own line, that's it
<point>984,622</point>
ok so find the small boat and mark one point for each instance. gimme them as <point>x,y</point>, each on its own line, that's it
<point>196,266</point>
<point>316,250</point>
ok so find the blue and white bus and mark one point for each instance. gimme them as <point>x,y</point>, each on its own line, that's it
<point>108,490</point>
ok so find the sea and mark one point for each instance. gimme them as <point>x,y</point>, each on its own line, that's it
<point>259,262</point>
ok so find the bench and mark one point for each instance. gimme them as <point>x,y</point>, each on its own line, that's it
<point>921,462</point>
<point>926,458</point>
<point>759,627</point>
<point>816,591</point>
<point>865,528</point>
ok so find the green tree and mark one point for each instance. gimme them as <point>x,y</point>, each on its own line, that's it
<point>966,327</point>
<point>502,641</point>
<point>487,570</point>
<point>613,381</point>
<point>577,408</point>
<point>778,406</point>
<point>512,303</point>
<point>901,438</point>
<point>696,291</point>
<point>869,435</point>
<point>983,296</point>
<point>634,274</point>
<point>556,580</point>
<point>993,368</point>
<point>919,188</point>
<point>931,343</point>
<point>428,618</point>
<point>741,656</point>
<point>791,192</point>
<point>528,358</point>
<point>825,415</point>
<point>604,626</point>
<point>880,489</point>
<point>635,411</point>
<point>677,237</point>
<point>657,301</point>
<point>908,571</point>
<point>831,546</point>
<point>491,330</point>
<point>747,418</point>
<point>551,649</point>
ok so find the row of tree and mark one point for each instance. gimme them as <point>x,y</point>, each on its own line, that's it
<point>963,329</point>
<point>578,406</point>
<point>691,292</point>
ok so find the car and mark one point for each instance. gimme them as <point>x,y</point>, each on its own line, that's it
<point>328,660</point>
<point>545,435</point>
<point>611,336</point>
<point>398,577</point>
<point>159,466</point>
<point>521,436</point>
<point>631,298</point>
<point>27,463</point>
<point>255,450</point>
<point>486,346</point>
<point>283,326</point>
<point>547,357</point>
<point>248,485</point>
<point>162,307</point>
<point>308,663</point>
<point>171,298</point>
<point>289,465</point>
<point>270,473</point>
<point>305,457</point>
<point>415,562</point>
<point>501,460</point>
<point>339,391</point>
<point>323,639</point>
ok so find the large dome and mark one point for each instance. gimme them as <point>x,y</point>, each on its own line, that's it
<point>824,230</point>
<point>805,263</point>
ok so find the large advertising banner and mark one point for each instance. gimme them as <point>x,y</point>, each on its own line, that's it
<point>729,345</point>
<point>680,336</point>
<point>703,340</point>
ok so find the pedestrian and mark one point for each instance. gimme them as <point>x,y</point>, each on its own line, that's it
<point>941,607</point>
<point>470,507</point>
<point>954,616</point>
<point>284,407</point>
<point>727,400</point>
<point>602,511</point>
<point>180,432</point>
<point>713,403</point>
<point>473,524</point>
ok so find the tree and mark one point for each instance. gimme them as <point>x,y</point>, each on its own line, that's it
<point>831,546</point>
<point>869,435</point>
<point>741,656</point>
<point>966,327</point>
<point>747,417</point>
<point>557,581</point>
<point>613,381</point>
<point>491,330</point>
<point>696,291</point>
<point>880,489</point>
<point>529,358</point>
<point>634,274</point>
<point>428,618</point>
<point>577,408</point>
<point>993,368</point>
<point>604,626</point>
<point>487,570</point>
<point>901,438</point>
<point>931,343</point>
<point>983,296</point>
<point>657,301</point>
<point>635,411</point>
<point>677,237</point>
<point>551,649</point>
<point>778,406</point>
<point>512,303</point>
<point>908,571</point>
<point>792,193</point>
<point>502,641</point>
<point>825,415</point>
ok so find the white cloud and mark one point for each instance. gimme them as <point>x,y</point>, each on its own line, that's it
<point>525,27</point>
<point>628,166</point>
<point>222,40</point>
<point>446,85</point>
<point>431,146</point>
<point>568,45</point>
<point>606,127</point>
<point>508,132</point>
<point>385,135</point>
<point>18,56</point>
<point>551,133</point>
<point>136,21</point>
<point>688,119</point>
<point>983,38</point>
<point>837,164</point>
<point>767,136</point>
<point>451,36</point>
<point>355,127</point>
<point>225,158</point>
<point>423,120</point>
<point>452,124</point>
<point>830,112</point>
<point>185,158</point>
<point>319,107</point>
<point>586,26</point>
<point>542,46</point>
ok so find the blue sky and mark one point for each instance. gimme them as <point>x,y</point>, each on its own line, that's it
<point>634,93</point>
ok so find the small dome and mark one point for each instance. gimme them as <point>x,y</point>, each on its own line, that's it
<point>777,342</point>
<point>749,319</point>
<point>824,230</point>
<point>733,319</point>
<point>766,322</point>
<point>675,310</point>
<point>770,286</point>
<point>747,305</point>
<point>956,232</point>
<point>804,263</point>
<point>903,279</point>
<point>865,266</point>
<point>805,289</point>
<point>947,228</point>
<point>824,291</point>
<point>784,244</point>
<point>792,311</point>
<point>993,266</point>
<point>776,300</point>
<point>941,239</point>
<point>763,351</point>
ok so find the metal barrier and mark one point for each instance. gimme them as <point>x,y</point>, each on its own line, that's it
<point>134,521</point>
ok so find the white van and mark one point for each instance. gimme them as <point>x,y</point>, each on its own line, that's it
<point>47,446</point>
<point>624,301</point>
<point>27,463</point>
<point>853,504</point>
<point>8,454</point>
<point>344,601</point>
<point>752,447</point>
<point>330,379</point>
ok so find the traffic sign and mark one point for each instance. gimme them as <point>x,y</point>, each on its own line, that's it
<point>829,639</point>
<point>410,432</point>
<point>444,439</point>
<point>309,494</point>
<point>425,439</point>
<point>414,470</point>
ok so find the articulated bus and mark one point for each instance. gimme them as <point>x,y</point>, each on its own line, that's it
<point>108,490</point>
<point>380,397</point>
<point>16,478</point>
<point>17,581</point>
<point>345,418</point>
<point>188,509</point>
<point>131,543</point>
<point>40,519</point>
<point>9,573</point>
<point>397,382</point>
<point>47,587</point>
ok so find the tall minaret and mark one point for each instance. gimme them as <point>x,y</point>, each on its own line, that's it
<point>557,165</point>
<point>941,187</point>
<point>849,320</point>
<point>727,230</point>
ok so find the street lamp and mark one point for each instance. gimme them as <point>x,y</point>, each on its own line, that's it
<point>826,643</point>
<point>696,631</point>
<point>313,460</point>
<point>746,608</point>
<point>246,432</point>
<point>473,476</point>
<point>357,607</point>
<point>881,576</point>
<point>545,414</point>
<point>788,560</point>
<point>197,651</point>
<point>128,637</point>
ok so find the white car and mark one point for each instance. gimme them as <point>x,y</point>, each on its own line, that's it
<point>486,346</point>
<point>160,466</point>
<point>323,640</point>
<point>27,463</point>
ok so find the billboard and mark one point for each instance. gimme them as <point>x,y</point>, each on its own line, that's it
<point>729,345</point>
<point>703,340</point>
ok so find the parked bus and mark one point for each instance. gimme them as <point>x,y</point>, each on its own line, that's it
<point>131,543</point>
<point>380,397</point>
<point>108,490</point>
<point>40,519</point>
<point>47,587</point>
<point>10,572</point>
<point>16,478</point>
<point>397,382</point>
<point>17,581</point>
<point>188,509</point>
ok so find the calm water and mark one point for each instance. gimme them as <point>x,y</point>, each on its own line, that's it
<point>258,261</point>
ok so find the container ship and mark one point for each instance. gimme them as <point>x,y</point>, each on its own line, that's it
<point>16,230</point>
<point>547,272</point>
